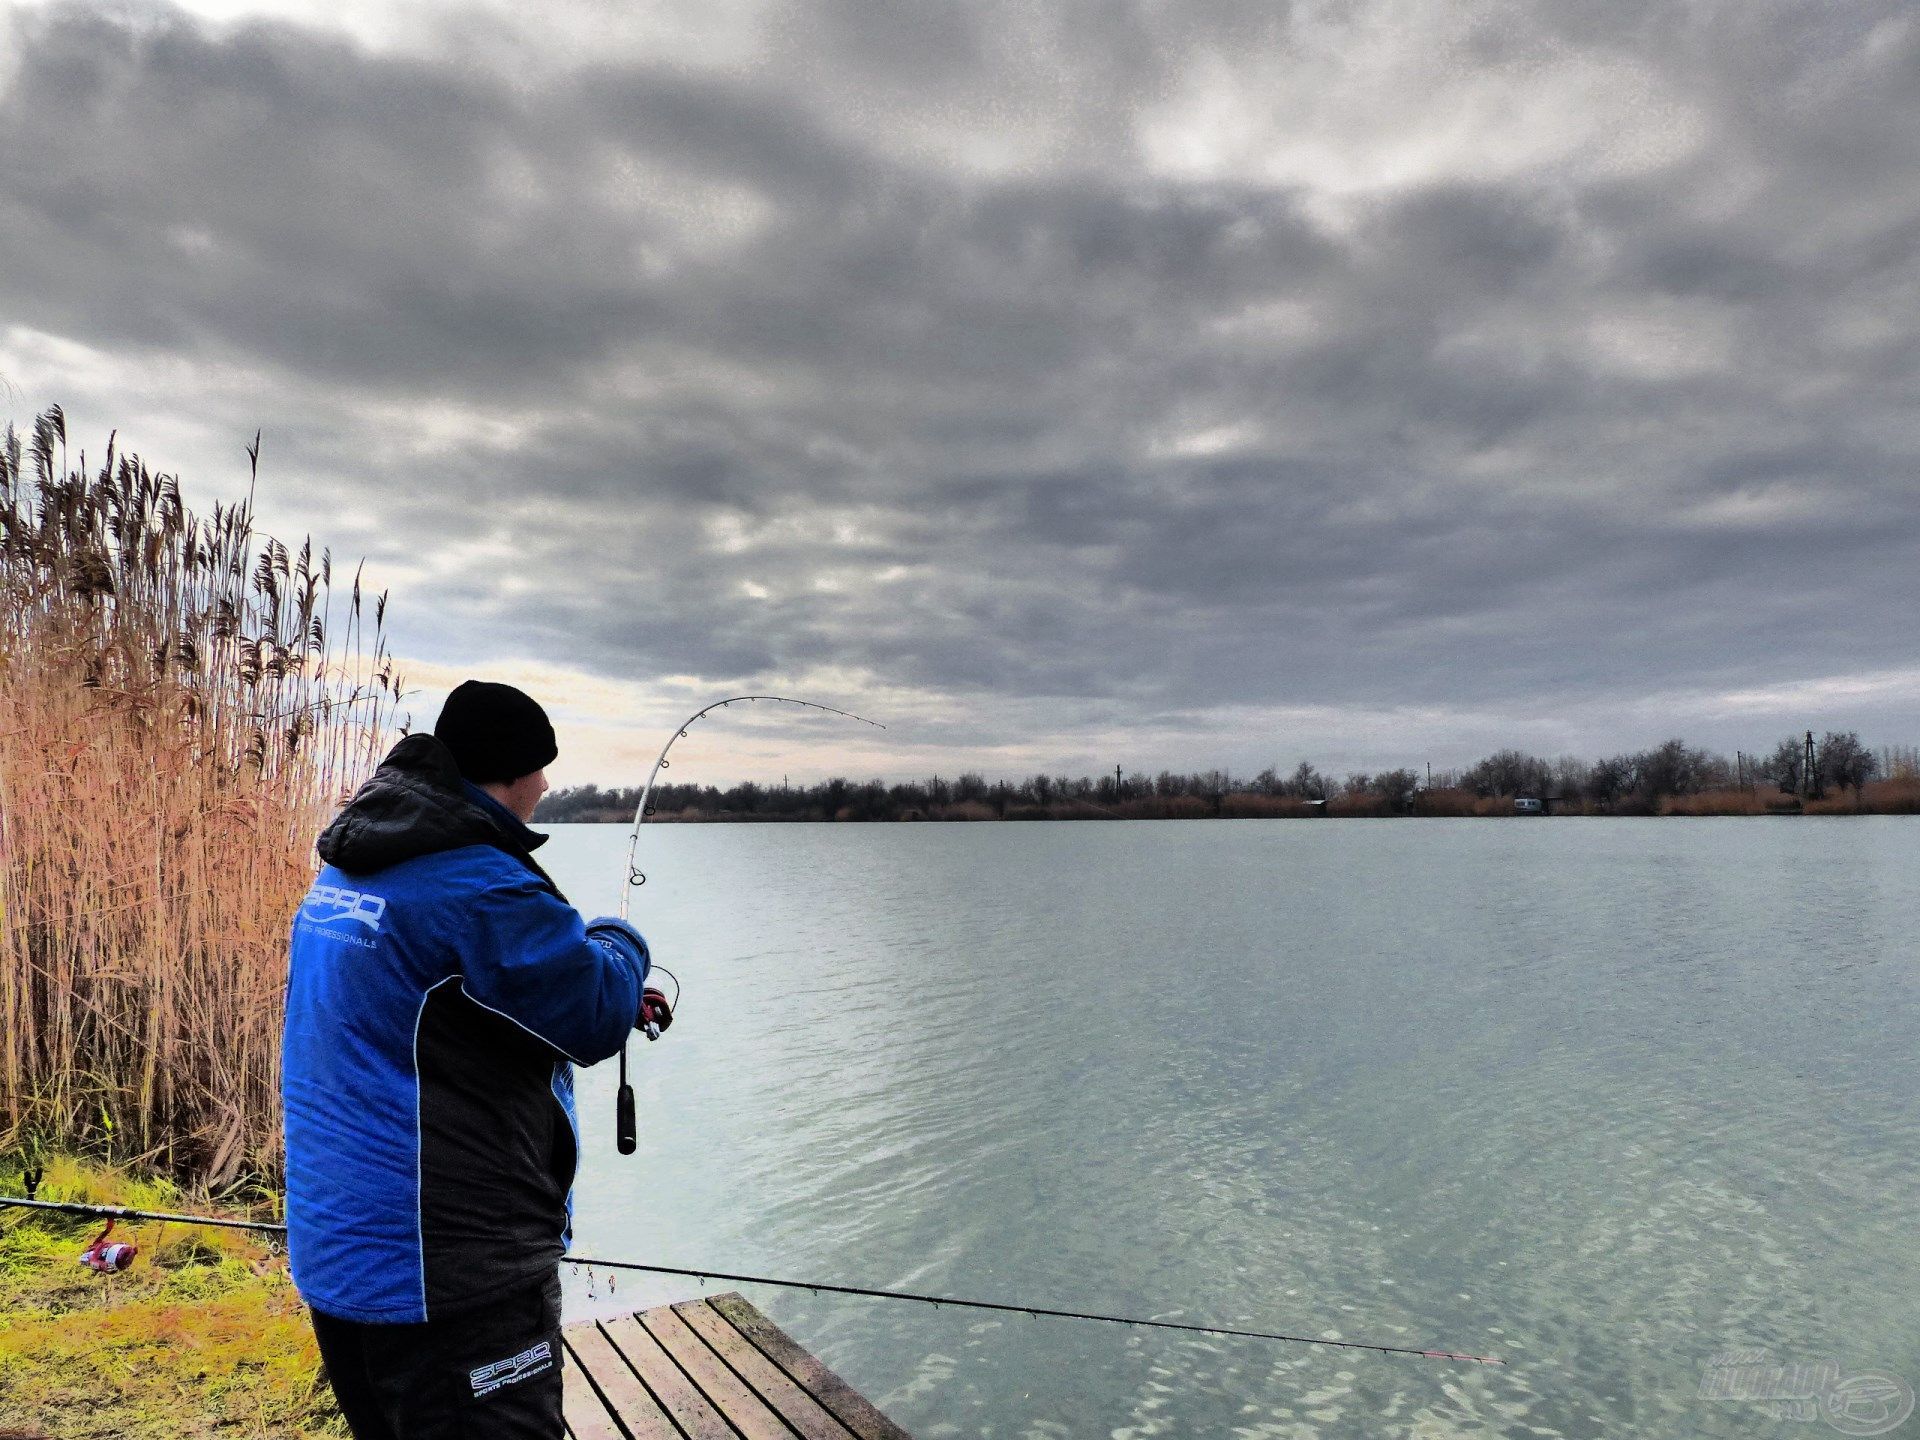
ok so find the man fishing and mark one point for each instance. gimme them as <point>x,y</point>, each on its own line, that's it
<point>440,991</point>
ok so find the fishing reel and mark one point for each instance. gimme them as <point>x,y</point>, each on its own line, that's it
<point>105,1257</point>
<point>656,1012</point>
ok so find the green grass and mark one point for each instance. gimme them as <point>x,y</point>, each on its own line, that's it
<point>203,1337</point>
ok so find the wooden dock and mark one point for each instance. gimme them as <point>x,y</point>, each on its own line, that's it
<point>711,1369</point>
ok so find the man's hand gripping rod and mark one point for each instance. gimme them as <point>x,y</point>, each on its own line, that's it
<point>626,1132</point>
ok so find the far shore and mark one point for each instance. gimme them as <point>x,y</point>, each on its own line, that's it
<point>1885,797</point>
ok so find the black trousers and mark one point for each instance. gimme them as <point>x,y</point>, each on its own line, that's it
<point>491,1373</point>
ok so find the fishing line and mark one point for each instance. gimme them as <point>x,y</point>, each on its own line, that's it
<point>942,1301</point>
<point>118,1212</point>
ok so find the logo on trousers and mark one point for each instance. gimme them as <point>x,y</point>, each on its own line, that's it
<point>512,1370</point>
<point>1865,1402</point>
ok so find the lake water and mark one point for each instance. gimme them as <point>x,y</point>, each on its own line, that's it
<point>1608,1098</point>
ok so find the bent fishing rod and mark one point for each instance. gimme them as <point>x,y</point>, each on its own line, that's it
<point>125,1213</point>
<point>626,1134</point>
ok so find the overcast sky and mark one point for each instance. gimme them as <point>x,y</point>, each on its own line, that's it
<point>1176,384</point>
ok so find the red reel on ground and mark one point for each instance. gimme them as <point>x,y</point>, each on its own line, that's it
<point>106,1257</point>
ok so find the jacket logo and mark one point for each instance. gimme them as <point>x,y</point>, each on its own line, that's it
<point>511,1371</point>
<point>327,903</point>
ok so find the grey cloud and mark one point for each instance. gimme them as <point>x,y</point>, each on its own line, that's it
<point>900,325</point>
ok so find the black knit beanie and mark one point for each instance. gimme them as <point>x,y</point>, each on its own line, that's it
<point>496,733</point>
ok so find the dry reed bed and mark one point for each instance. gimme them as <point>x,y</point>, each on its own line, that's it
<point>181,701</point>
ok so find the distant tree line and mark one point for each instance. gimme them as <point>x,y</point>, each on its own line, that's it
<point>1667,776</point>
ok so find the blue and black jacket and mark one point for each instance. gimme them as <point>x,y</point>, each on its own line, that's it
<point>440,989</point>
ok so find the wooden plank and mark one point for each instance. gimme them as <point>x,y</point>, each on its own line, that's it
<point>769,1381</point>
<point>853,1408</point>
<point>728,1392</point>
<point>586,1413</point>
<point>691,1410</point>
<point>619,1390</point>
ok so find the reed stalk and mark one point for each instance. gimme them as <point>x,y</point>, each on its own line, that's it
<point>182,702</point>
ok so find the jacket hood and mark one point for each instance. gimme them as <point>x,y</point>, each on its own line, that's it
<point>417,804</point>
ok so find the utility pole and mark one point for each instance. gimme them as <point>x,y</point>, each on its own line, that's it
<point>1116,784</point>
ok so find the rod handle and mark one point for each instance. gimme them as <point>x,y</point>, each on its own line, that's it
<point>626,1133</point>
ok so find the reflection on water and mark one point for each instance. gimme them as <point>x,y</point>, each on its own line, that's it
<point>1606,1097</point>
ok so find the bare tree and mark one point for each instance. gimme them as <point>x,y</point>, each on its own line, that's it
<point>1609,779</point>
<point>1900,762</point>
<point>1569,775</point>
<point>1674,768</point>
<point>1509,772</point>
<point>1845,763</point>
<point>1397,788</point>
<point>1785,764</point>
<point>1306,783</point>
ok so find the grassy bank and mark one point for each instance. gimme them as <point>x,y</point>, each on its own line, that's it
<point>203,1337</point>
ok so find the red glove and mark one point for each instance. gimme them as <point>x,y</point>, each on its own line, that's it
<point>656,1014</point>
